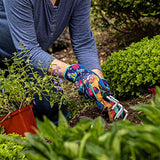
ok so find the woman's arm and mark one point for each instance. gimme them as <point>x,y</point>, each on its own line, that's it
<point>82,38</point>
<point>22,28</point>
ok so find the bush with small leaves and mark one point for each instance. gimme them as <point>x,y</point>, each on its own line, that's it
<point>133,70</point>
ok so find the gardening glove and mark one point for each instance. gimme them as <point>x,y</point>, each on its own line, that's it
<point>88,83</point>
<point>103,92</point>
<point>117,112</point>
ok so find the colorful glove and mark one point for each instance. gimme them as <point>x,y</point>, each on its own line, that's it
<point>88,83</point>
<point>117,108</point>
<point>107,89</point>
<point>92,86</point>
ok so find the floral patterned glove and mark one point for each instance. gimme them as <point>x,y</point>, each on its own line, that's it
<point>88,83</point>
<point>92,86</point>
<point>117,108</point>
<point>107,89</point>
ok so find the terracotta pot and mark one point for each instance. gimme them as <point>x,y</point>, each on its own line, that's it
<point>19,121</point>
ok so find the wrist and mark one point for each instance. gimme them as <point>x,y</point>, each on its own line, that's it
<point>57,67</point>
<point>98,72</point>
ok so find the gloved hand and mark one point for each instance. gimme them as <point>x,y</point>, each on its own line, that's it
<point>92,86</point>
<point>88,83</point>
<point>112,112</point>
<point>107,89</point>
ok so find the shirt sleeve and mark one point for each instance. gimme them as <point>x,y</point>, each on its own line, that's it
<point>21,24</point>
<point>82,38</point>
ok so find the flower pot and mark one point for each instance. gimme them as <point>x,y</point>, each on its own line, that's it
<point>19,121</point>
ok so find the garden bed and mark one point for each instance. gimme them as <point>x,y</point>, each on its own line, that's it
<point>93,112</point>
<point>107,43</point>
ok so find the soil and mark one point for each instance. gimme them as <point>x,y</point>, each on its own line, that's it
<point>107,42</point>
<point>93,111</point>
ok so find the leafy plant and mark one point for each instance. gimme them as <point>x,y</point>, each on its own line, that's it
<point>90,140</point>
<point>120,14</point>
<point>10,150</point>
<point>20,83</point>
<point>133,70</point>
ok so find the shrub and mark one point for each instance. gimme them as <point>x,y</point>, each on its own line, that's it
<point>133,70</point>
<point>126,13</point>
<point>90,140</point>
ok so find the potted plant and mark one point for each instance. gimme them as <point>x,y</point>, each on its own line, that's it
<point>19,84</point>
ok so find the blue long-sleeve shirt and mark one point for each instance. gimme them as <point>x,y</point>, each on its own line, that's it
<point>38,23</point>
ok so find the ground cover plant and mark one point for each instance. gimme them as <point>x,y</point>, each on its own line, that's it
<point>10,150</point>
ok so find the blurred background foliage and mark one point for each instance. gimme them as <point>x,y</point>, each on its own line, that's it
<point>126,21</point>
<point>125,15</point>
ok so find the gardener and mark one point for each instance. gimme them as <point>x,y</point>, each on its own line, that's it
<point>37,24</point>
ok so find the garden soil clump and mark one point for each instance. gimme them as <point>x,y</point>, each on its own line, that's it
<point>105,47</point>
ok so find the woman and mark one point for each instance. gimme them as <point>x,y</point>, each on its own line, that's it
<point>37,24</point>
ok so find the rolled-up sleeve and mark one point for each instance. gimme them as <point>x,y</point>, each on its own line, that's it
<point>82,38</point>
<point>21,24</point>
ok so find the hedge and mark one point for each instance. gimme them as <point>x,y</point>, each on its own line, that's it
<point>133,70</point>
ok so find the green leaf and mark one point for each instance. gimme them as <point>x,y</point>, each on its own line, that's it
<point>40,144</point>
<point>63,124</point>
<point>96,151</point>
<point>48,129</point>
<point>71,149</point>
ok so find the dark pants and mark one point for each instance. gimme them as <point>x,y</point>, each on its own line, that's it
<point>43,108</point>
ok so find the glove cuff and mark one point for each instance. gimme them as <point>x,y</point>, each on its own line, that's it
<point>73,71</point>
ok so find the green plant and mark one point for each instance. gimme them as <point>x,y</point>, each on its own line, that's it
<point>128,14</point>
<point>10,150</point>
<point>133,70</point>
<point>20,83</point>
<point>90,140</point>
